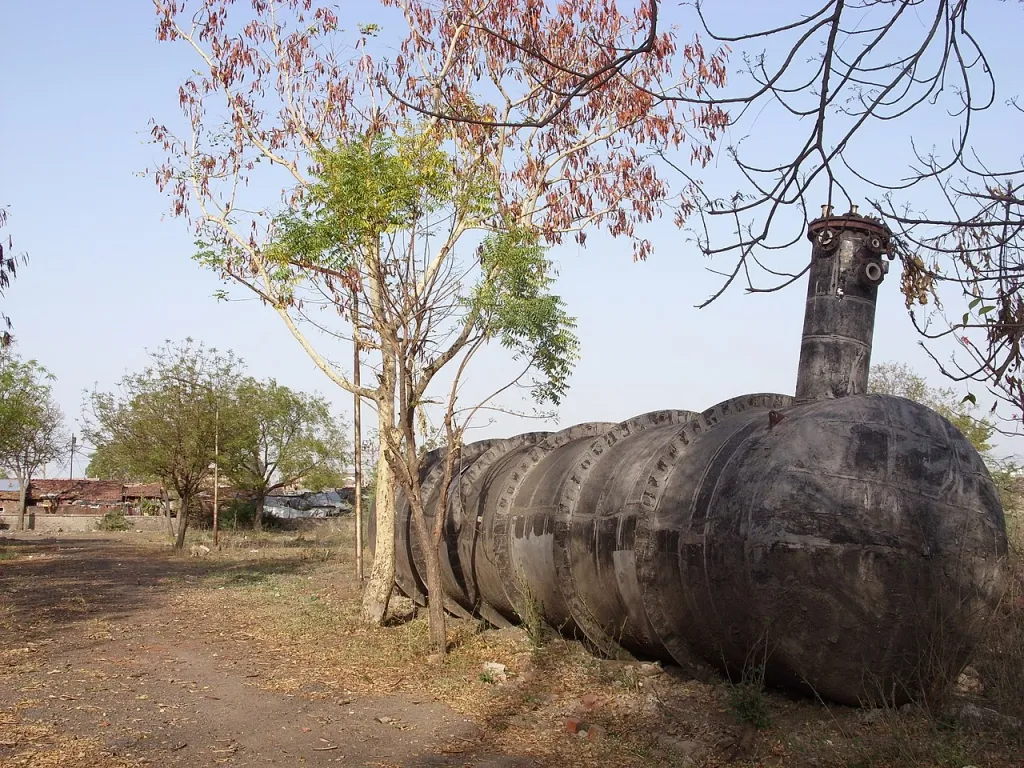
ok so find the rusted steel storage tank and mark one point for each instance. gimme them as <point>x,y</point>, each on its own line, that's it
<point>838,538</point>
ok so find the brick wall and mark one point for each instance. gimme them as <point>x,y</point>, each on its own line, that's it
<point>77,523</point>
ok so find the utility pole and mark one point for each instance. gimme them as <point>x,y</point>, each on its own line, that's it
<point>71,472</point>
<point>357,427</point>
<point>216,468</point>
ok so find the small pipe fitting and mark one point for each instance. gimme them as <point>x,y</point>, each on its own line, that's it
<point>873,272</point>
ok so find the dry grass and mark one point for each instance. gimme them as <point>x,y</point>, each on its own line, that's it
<point>287,606</point>
<point>35,744</point>
<point>1000,662</point>
<point>299,607</point>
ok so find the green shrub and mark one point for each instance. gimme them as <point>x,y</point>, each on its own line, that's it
<point>531,614</point>
<point>234,515</point>
<point>748,701</point>
<point>114,520</point>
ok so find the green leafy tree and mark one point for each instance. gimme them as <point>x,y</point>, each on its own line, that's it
<point>8,270</point>
<point>900,379</point>
<point>162,421</point>
<point>355,238</point>
<point>277,437</point>
<point>384,221</point>
<point>31,423</point>
<point>370,218</point>
<point>110,462</point>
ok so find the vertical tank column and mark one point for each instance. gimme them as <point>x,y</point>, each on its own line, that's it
<point>839,318</point>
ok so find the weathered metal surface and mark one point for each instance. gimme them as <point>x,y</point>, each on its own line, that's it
<point>516,527</point>
<point>596,505</point>
<point>837,536</point>
<point>839,318</point>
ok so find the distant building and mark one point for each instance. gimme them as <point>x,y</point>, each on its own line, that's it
<point>80,497</point>
<point>140,498</point>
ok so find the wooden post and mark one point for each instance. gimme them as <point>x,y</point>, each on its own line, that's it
<point>216,475</point>
<point>357,429</point>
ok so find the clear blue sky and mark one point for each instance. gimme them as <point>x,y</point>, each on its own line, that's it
<point>110,274</point>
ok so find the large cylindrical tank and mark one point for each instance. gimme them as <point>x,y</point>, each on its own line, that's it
<point>838,541</point>
<point>849,544</point>
<point>842,541</point>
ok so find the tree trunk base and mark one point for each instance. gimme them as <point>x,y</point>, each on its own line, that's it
<point>438,622</point>
<point>179,541</point>
<point>22,501</point>
<point>374,609</point>
<point>381,583</point>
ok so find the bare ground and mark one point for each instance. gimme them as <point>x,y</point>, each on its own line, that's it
<point>97,648</point>
<point>114,651</point>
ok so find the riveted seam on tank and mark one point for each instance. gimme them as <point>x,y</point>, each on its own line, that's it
<point>729,448</point>
<point>578,609</point>
<point>565,579</point>
<point>511,490</point>
<point>676,447</point>
<point>644,534</point>
<point>732,443</point>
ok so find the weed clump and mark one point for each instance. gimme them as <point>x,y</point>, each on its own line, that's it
<point>531,615</point>
<point>999,662</point>
<point>114,520</point>
<point>748,700</point>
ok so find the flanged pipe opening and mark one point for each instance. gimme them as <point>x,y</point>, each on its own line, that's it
<point>873,272</point>
<point>827,239</point>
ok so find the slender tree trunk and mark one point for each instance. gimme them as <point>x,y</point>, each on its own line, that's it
<point>257,522</point>
<point>22,502</point>
<point>430,546</point>
<point>167,509</point>
<point>381,583</point>
<point>437,621</point>
<point>357,442</point>
<point>179,542</point>
<point>377,594</point>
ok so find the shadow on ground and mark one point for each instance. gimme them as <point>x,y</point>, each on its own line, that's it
<point>50,583</point>
<point>159,686</point>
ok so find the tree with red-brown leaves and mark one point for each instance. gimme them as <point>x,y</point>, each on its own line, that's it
<point>923,79</point>
<point>280,89</point>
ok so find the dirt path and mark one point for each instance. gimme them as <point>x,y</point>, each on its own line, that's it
<point>93,647</point>
<point>114,653</point>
